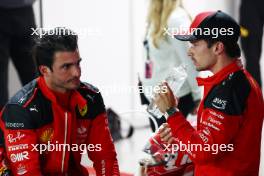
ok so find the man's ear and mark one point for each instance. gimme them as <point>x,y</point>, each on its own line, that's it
<point>44,70</point>
<point>219,48</point>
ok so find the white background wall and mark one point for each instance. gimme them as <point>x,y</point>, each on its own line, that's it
<point>112,47</point>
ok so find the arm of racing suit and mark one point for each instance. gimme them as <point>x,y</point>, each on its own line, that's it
<point>220,121</point>
<point>104,157</point>
<point>19,138</point>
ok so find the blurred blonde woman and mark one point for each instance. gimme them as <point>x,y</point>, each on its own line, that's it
<point>164,52</point>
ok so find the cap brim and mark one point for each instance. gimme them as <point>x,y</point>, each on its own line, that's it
<point>185,37</point>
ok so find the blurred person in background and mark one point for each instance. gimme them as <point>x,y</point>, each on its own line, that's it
<point>16,21</point>
<point>164,52</point>
<point>252,22</point>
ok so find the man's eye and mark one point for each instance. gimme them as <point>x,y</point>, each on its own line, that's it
<point>66,67</point>
<point>194,44</point>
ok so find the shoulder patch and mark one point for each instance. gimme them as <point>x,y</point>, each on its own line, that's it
<point>95,103</point>
<point>85,85</point>
<point>230,96</point>
<point>16,117</point>
<point>36,114</point>
<point>40,110</point>
<point>22,96</point>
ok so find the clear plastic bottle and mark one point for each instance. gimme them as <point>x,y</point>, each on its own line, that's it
<point>175,80</point>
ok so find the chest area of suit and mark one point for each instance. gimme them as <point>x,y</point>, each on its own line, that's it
<point>65,127</point>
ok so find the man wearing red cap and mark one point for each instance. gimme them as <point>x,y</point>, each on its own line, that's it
<point>231,112</point>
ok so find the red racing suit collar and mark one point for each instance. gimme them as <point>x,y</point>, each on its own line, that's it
<point>221,75</point>
<point>211,81</point>
<point>76,98</point>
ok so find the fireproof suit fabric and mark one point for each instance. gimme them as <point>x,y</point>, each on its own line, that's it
<point>34,117</point>
<point>230,115</point>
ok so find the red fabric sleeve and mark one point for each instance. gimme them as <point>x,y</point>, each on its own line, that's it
<point>105,162</point>
<point>216,128</point>
<point>23,159</point>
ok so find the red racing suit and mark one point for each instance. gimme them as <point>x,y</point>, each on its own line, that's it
<point>33,120</point>
<point>230,117</point>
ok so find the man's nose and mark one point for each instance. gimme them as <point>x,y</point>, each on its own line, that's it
<point>76,71</point>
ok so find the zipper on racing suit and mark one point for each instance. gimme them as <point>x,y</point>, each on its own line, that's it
<point>65,140</point>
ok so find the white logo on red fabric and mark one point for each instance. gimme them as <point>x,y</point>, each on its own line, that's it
<point>18,147</point>
<point>81,130</point>
<point>81,134</point>
<point>19,156</point>
<point>21,169</point>
<point>14,138</point>
<point>217,115</point>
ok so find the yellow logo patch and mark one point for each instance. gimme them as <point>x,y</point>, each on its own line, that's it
<point>47,135</point>
<point>83,111</point>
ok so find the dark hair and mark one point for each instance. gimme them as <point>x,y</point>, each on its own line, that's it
<point>52,41</point>
<point>232,49</point>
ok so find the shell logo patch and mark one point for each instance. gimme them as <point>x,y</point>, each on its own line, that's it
<point>47,135</point>
<point>83,111</point>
